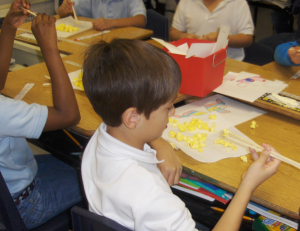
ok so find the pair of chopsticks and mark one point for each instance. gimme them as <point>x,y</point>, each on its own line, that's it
<point>30,12</point>
<point>259,148</point>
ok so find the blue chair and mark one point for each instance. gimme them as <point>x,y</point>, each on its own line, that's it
<point>10,218</point>
<point>84,220</point>
<point>158,24</point>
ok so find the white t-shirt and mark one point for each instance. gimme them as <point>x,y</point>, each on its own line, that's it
<point>125,185</point>
<point>193,17</point>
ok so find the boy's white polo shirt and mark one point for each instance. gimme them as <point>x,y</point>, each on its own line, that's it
<point>193,17</point>
<point>124,184</point>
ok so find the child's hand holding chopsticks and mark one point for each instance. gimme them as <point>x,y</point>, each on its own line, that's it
<point>16,16</point>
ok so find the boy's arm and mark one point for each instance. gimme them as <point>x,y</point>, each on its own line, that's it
<point>177,34</point>
<point>235,41</point>
<point>65,111</point>
<point>171,168</point>
<point>286,55</point>
<point>263,168</point>
<point>13,20</point>
<point>104,23</point>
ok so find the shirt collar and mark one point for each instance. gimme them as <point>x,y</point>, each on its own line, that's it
<point>122,150</point>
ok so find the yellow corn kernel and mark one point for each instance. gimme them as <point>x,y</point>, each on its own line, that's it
<point>253,124</point>
<point>173,145</point>
<point>191,128</point>
<point>212,117</point>
<point>244,158</point>
<point>179,136</point>
<point>217,141</point>
<point>225,132</point>
<point>234,147</point>
<point>200,150</point>
<point>182,128</point>
<point>170,120</point>
<point>175,123</point>
<point>172,134</point>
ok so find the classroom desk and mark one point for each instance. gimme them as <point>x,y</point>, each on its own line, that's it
<point>70,46</point>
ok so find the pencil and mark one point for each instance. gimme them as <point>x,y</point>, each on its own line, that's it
<point>72,138</point>
<point>30,12</point>
<point>222,211</point>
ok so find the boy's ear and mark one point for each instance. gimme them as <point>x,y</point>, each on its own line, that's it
<point>131,118</point>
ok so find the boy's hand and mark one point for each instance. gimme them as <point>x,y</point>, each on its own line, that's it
<point>193,36</point>
<point>171,168</point>
<point>213,36</point>
<point>43,28</point>
<point>66,7</point>
<point>294,54</point>
<point>16,16</point>
<point>103,24</point>
<point>263,168</point>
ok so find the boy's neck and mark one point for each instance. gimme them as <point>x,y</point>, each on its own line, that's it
<point>211,5</point>
<point>126,136</point>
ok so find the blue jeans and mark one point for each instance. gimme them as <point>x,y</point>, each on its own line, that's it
<point>56,189</point>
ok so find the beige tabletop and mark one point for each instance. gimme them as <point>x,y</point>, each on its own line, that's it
<point>70,46</point>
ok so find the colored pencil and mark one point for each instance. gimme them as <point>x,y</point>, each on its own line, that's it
<point>222,211</point>
<point>30,12</point>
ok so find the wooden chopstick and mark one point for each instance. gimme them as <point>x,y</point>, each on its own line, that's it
<point>75,16</point>
<point>259,148</point>
<point>30,12</point>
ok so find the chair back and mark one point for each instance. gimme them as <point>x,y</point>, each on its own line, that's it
<point>84,220</point>
<point>158,24</point>
<point>9,213</point>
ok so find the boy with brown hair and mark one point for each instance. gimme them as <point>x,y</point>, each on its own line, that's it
<point>132,85</point>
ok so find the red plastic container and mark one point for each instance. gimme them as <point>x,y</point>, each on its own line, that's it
<point>200,76</point>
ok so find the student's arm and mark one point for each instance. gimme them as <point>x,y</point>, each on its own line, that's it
<point>235,41</point>
<point>65,111</point>
<point>263,168</point>
<point>13,20</point>
<point>171,168</point>
<point>65,8</point>
<point>104,23</point>
<point>286,54</point>
<point>177,34</point>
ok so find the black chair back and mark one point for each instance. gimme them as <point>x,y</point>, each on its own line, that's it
<point>84,220</point>
<point>158,24</point>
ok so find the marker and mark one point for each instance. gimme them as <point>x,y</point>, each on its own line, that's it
<point>92,35</point>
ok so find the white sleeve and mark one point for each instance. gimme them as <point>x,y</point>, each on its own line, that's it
<point>18,119</point>
<point>179,19</point>
<point>163,210</point>
<point>244,19</point>
<point>136,7</point>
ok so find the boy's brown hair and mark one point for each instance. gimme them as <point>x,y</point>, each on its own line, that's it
<point>128,73</point>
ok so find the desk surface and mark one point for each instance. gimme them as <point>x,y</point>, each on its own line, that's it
<point>70,46</point>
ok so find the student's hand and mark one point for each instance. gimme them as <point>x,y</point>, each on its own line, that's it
<point>43,28</point>
<point>171,168</point>
<point>213,36</point>
<point>263,168</point>
<point>294,54</point>
<point>66,7</point>
<point>193,36</point>
<point>103,24</point>
<point>16,16</point>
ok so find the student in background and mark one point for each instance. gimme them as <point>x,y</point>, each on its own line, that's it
<point>108,14</point>
<point>288,54</point>
<point>132,85</point>
<point>202,19</point>
<point>42,186</point>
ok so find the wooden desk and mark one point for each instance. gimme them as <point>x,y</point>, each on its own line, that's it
<point>70,46</point>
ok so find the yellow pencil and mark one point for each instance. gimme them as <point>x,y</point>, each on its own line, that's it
<point>75,16</point>
<point>222,211</point>
<point>72,138</point>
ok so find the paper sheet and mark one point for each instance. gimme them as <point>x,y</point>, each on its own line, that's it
<point>83,26</point>
<point>72,75</point>
<point>248,86</point>
<point>229,113</point>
